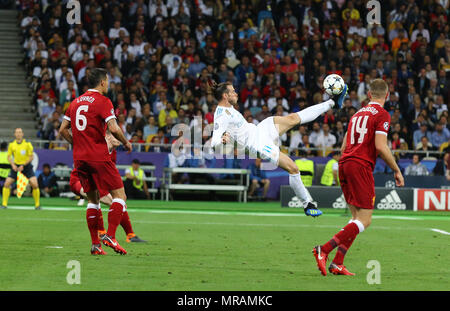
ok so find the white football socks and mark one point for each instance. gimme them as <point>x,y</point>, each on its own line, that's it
<point>311,113</point>
<point>301,192</point>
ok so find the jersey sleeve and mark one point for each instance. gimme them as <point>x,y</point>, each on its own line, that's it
<point>107,111</point>
<point>383,123</point>
<point>30,149</point>
<point>220,126</point>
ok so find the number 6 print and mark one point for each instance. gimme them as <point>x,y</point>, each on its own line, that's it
<point>80,120</point>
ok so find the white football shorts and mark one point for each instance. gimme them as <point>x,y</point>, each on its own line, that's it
<point>266,141</point>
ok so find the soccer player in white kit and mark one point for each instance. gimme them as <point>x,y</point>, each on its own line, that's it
<point>262,140</point>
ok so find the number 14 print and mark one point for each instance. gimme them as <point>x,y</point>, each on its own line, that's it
<point>360,128</point>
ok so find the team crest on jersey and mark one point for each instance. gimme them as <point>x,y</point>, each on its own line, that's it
<point>228,113</point>
<point>386,125</point>
<point>112,111</point>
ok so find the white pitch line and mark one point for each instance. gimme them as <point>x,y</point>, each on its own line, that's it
<point>53,247</point>
<point>226,213</point>
<point>191,223</point>
<point>440,231</point>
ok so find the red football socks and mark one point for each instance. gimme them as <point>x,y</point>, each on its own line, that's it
<point>92,222</point>
<point>125,223</point>
<point>342,250</point>
<point>115,216</point>
<point>349,232</point>
<point>101,226</point>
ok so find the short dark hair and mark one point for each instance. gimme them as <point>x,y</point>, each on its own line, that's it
<point>219,89</point>
<point>95,76</point>
<point>3,145</point>
<point>46,165</point>
<point>136,161</point>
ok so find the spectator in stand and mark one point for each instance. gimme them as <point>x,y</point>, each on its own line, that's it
<point>421,132</point>
<point>258,179</point>
<point>151,128</point>
<point>440,135</point>
<point>47,182</point>
<point>416,168</point>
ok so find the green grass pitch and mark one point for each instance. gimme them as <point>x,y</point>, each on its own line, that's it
<point>218,246</point>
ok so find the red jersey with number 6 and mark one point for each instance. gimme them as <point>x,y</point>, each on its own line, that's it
<point>88,115</point>
<point>364,124</point>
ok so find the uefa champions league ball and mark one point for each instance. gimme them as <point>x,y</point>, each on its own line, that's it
<point>333,84</point>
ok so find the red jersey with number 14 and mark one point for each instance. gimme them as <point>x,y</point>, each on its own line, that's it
<point>364,124</point>
<point>88,115</point>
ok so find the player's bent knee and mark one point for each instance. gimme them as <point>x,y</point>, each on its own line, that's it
<point>293,118</point>
<point>293,169</point>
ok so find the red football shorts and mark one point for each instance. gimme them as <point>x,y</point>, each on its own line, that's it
<point>101,176</point>
<point>75,185</point>
<point>357,184</point>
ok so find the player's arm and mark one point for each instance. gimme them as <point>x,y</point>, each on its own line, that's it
<point>220,136</point>
<point>64,131</point>
<point>116,131</point>
<point>111,141</point>
<point>344,143</point>
<point>386,154</point>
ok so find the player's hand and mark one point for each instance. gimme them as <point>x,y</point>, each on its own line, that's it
<point>20,169</point>
<point>399,181</point>
<point>128,147</point>
<point>226,138</point>
<point>14,167</point>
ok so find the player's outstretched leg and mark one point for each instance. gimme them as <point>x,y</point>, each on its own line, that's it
<point>285,123</point>
<point>286,163</point>
<point>311,113</point>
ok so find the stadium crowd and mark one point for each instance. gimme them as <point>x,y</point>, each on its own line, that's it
<point>160,55</point>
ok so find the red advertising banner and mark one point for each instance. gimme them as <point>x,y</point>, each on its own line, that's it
<point>432,200</point>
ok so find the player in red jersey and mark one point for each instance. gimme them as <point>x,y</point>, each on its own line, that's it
<point>366,137</point>
<point>105,196</point>
<point>89,116</point>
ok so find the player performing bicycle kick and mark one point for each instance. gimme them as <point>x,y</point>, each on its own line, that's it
<point>263,139</point>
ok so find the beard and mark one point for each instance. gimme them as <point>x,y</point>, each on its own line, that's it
<point>233,101</point>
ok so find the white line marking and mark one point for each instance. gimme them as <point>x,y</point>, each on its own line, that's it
<point>227,213</point>
<point>53,247</point>
<point>440,231</point>
<point>191,223</point>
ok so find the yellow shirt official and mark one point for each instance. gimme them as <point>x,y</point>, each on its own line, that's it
<point>20,152</point>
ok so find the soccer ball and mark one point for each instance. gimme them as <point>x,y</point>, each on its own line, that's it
<point>333,84</point>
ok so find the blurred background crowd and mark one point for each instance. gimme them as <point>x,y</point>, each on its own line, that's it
<point>160,55</point>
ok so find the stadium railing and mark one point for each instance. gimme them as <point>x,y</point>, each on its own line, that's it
<point>63,175</point>
<point>143,147</point>
<point>241,188</point>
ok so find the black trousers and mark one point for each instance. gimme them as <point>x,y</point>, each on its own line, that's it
<point>132,192</point>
